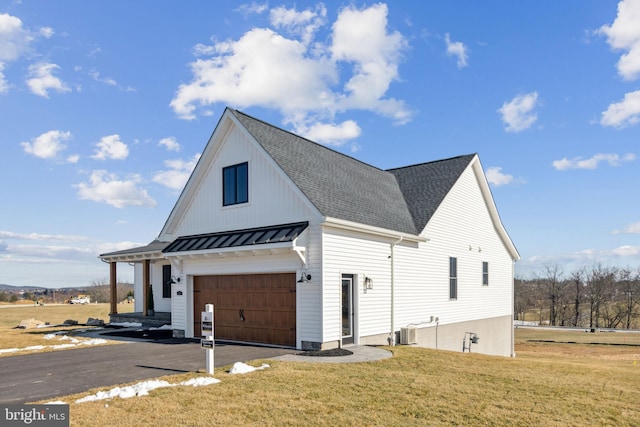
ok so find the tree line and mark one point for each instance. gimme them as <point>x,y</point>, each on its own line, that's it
<point>596,297</point>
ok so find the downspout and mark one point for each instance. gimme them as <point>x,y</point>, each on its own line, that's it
<point>513,297</point>
<point>392,333</point>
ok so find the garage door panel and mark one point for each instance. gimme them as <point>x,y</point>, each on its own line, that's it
<point>267,301</point>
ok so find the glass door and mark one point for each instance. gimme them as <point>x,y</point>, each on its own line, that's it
<point>347,309</point>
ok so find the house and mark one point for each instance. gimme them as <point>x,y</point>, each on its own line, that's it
<point>298,245</point>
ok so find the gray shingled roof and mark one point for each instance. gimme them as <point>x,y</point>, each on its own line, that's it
<point>425,186</point>
<point>345,188</point>
<point>155,246</point>
<point>339,186</point>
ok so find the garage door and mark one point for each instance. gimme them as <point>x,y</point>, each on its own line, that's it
<point>257,308</point>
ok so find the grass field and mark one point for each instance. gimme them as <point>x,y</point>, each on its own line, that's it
<point>11,316</point>
<point>547,384</point>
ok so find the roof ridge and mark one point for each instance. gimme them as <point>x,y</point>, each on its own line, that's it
<point>431,162</point>
<point>307,139</point>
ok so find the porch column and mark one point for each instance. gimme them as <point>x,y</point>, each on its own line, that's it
<point>146,282</point>
<point>113,288</point>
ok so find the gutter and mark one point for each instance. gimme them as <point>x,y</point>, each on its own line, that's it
<point>369,229</point>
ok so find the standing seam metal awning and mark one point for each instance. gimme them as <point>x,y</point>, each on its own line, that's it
<point>229,239</point>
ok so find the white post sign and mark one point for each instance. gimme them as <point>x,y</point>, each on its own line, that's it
<point>207,341</point>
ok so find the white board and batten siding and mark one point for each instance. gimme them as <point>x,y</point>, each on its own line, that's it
<point>273,199</point>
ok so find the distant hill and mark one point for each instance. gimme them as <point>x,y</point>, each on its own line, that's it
<point>12,288</point>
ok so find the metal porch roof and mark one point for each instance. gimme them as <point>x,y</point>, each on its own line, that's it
<point>229,239</point>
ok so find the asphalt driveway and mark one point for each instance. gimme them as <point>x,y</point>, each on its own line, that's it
<point>41,376</point>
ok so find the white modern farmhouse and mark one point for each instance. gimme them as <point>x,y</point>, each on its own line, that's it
<point>298,245</point>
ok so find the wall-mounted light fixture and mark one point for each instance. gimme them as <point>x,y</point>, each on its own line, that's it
<point>175,279</point>
<point>304,277</point>
<point>367,284</point>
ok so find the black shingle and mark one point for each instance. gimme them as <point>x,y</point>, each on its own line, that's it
<point>342,187</point>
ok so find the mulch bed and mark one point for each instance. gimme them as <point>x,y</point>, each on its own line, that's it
<point>327,353</point>
<point>155,334</point>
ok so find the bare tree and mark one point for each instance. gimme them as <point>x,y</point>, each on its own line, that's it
<point>577,279</point>
<point>599,284</point>
<point>554,287</point>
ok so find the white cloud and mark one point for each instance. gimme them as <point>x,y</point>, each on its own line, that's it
<point>74,158</point>
<point>14,38</point>
<point>47,32</point>
<point>178,174</point>
<point>626,255</point>
<point>633,228</point>
<point>330,133</point>
<point>624,34</point>
<point>297,76</point>
<point>39,236</point>
<point>41,79</point>
<point>593,162</point>
<point>170,143</point>
<point>518,113</point>
<point>303,24</point>
<point>47,145</point>
<point>360,38</point>
<point>4,85</point>
<point>626,251</point>
<point>254,7</point>
<point>106,80</point>
<point>624,113</point>
<point>457,49</point>
<point>104,187</point>
<point>496,177</point>
<point>117,246</point>
<point>111,147</point>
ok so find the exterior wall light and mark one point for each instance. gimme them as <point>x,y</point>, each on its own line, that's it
<point>304,278</point>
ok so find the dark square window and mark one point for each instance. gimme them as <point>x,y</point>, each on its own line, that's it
<point>485,273</point>
<point>166,281</point>
<point>235,184</point>
<point>453,278</point>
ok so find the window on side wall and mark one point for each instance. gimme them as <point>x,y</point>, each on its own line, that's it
<point>235,184</point>
<point>485,273</point>
<point>166,281</point>
<point>453,278</point>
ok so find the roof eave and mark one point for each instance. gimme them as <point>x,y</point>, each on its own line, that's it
<point>369,229</point>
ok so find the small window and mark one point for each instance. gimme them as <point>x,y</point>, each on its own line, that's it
<point>166,281</point>
<point>235,184</point>
<point>453,278</point>
<point>485,273</point>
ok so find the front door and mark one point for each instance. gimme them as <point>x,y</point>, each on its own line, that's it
<point>347,309</point>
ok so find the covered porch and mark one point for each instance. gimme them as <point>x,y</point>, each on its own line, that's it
<point>143,256</point>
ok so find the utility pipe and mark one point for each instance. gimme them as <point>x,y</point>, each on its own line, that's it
<point>392,335</point>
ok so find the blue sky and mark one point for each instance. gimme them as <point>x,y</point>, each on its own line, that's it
<point>105,107</point>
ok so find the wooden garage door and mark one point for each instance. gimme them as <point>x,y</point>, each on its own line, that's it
<point>257,308</point>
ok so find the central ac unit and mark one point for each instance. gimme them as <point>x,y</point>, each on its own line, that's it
<point>408,335</point>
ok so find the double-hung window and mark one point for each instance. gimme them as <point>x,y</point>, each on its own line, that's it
<point>235,184</point>
<point>453,278</point>
<point>485,273</point>
<point>166,281</point>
